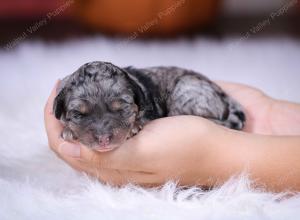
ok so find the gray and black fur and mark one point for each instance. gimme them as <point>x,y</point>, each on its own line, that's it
<point>102,105</point>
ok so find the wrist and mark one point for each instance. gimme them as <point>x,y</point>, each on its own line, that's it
<point>223,156</point>
<point>285,118</point>
<point>232,153</point>
<point>270,161</point>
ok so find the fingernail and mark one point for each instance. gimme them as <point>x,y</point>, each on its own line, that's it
<point>69,149</point>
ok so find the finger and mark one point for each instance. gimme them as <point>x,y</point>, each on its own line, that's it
<point>70,152</point>
<point>127,157</point>
<point>230,88</point>
<point>49,103</point>
<point>53,126</point>
<point>119,178</point>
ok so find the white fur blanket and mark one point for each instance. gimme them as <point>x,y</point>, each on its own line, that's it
<point>34,184</point>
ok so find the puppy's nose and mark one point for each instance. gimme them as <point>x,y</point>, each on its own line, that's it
<point>104,140</point>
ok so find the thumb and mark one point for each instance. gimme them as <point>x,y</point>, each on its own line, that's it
<point>69,149</point>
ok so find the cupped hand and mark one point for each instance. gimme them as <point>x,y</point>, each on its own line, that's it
<point>183,148</point>
<point>168,148</point>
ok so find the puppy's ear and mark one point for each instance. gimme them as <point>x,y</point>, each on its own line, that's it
<point>59,101</point>
<point>139,96</point>
<point>59,104</point>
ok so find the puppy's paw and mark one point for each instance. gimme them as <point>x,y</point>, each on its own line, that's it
<point>67,134</point>
<point>135,130</point>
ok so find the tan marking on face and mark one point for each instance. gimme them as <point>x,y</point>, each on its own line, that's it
<point>116,105</point>
<point>83,108</point>
<point>135,108</point>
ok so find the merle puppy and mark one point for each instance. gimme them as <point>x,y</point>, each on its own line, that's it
<point>101,105</point>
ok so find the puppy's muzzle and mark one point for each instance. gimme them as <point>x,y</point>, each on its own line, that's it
<point>104,142</point>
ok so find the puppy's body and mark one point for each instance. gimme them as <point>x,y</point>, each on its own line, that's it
<point>114,103</point>
<point>175,91</point>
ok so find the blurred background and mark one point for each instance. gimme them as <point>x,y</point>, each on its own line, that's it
<point>249,41</point>
<point>64,19</point>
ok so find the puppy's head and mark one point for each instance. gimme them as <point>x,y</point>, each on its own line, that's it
<point>98,104</point>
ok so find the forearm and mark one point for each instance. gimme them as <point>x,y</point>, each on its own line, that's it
<point>277,163</point>
<point>285,118</point>
<point>273,162</point>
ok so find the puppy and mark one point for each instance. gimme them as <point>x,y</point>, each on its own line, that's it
<point>101,105</point>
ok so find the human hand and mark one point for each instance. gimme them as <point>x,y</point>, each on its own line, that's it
<point>169,148</point>
<point>185,148</point>
<point>264,114</point>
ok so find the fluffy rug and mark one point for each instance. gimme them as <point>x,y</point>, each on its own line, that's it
<point>34,184</point>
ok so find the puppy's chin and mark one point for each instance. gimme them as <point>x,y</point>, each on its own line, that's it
<point>105,148</point>
<point>109,147</point>
<point>116,142</point>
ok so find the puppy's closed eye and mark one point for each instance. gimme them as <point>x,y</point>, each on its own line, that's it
<point>76,114</point>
